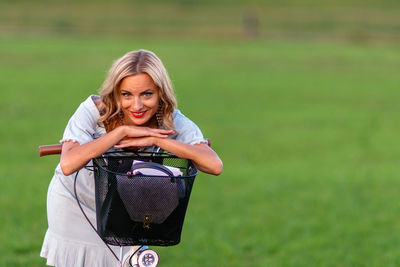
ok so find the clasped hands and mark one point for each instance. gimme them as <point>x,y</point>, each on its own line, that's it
<point>137,137</point>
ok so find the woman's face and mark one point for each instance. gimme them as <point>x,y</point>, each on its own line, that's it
<point>139,98</point>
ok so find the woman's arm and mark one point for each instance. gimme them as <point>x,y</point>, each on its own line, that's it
<point>205,159</point>
<point>74,156</point>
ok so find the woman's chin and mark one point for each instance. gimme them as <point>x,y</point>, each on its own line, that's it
<point>138,122</point>
<point>142,121</point>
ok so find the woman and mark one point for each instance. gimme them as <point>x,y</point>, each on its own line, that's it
<point>136,109</point>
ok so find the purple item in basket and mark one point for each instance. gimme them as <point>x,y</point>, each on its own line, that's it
<point>149,191</point>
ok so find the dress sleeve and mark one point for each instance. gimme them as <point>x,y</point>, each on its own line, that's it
<point>81,127</point>
<point>188,131</point>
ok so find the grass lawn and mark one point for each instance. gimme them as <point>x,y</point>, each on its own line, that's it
<point>308,132</point>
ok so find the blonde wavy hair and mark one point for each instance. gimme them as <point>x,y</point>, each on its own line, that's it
<point>132,63</point>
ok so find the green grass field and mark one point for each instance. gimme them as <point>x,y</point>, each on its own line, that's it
<point>308,128</point>
<point>308,133</point>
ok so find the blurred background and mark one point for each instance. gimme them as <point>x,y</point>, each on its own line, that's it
<point>299,98</point>
<point>355,20</point>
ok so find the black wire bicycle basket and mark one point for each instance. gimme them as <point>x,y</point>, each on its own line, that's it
<point>141,198</point>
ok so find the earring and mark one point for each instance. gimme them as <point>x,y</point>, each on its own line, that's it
<point>121,117</point>
<point>159,116</point>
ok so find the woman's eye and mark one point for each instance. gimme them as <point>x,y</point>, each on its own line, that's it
<point>125,94</point>
<point>148,94</point>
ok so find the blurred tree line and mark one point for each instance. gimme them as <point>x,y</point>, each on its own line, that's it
<point>355,20</point>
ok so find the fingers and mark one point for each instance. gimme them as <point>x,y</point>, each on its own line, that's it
<point>122,146</point>
<point>152,134</point>
<point>135,142</point>
<point>160,132</point>
<point>138,131</point>
<point>125,142</point>
<point>128,145</point>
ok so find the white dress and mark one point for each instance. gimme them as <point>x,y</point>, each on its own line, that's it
<point>70,241</point>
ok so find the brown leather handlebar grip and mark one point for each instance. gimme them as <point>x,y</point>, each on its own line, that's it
<point>50,150</point>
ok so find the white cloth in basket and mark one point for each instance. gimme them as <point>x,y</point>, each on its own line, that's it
<point>153,172</point>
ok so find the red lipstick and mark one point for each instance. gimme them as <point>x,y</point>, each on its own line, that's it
<point>138,114</point>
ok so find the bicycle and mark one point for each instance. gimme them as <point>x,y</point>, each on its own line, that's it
<point>141,199</point>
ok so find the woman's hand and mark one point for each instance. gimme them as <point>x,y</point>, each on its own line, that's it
<point>140,131</point>
<point>136,143</point>
<point>137,137</point>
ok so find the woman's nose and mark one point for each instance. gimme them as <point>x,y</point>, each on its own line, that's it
<point>137,104</point>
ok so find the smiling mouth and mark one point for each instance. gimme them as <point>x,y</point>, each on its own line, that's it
<point>138,114</point>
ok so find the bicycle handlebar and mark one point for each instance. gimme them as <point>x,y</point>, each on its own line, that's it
<point>50,150</point>
<point>56,149</point>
